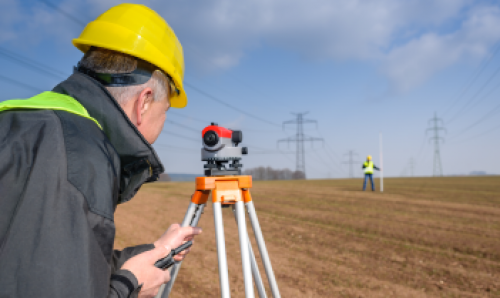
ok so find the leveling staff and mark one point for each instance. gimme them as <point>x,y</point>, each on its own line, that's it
<point>68,157</point>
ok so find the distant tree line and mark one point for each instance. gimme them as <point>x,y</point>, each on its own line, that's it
<point>164,177</point>
<point>268,173</point>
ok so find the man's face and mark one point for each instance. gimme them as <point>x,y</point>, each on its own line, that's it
<point>153,120</point>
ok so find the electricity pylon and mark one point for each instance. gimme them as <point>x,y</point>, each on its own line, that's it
<point>351,162</point>
<point>299,140</point>
<point>438,168</point>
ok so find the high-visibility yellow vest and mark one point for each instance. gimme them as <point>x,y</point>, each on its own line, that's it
<point>368,167</point>
<point>48,101</point>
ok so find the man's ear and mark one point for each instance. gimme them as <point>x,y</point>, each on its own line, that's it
<point>143,104</point>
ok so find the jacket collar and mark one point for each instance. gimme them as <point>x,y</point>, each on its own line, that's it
<point>139,161</point>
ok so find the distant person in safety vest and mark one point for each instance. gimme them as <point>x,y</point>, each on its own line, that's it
<point>368,167</point>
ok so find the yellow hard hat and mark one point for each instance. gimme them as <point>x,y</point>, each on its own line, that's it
<point>369,157</point>
<point>138,31</point>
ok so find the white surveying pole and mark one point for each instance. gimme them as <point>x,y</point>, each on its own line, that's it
<point>381,166</point>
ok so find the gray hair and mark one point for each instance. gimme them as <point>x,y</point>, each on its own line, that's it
<point>107,61</point>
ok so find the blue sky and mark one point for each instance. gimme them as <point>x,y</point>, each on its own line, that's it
<point>359,68</point>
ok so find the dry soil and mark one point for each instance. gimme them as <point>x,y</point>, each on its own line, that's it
<point>422,237</point>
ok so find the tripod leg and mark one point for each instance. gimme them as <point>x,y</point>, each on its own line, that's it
<point>262,249</point>
<point>191,218</point>
<point>255,269</point>
<point>256,274</point>
<point>245,254</point>
<point>221,251</point>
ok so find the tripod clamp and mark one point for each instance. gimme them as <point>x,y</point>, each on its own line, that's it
<point>168,261</point>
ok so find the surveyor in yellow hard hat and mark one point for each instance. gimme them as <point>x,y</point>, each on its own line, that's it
<point>69,156</point>
<point>368,167</point>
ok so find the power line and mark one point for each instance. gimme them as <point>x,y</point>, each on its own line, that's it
<point>206,94</point>
<point>482,119</point>
<point>314,154</point>
<point>328,152</point>
<point>279,151</point>
<point>228,105</point>
<point>169,133</point>
<point>473,97</point>
<point>438,168</point>
<point>478,73</point>
<point>183,126</point>
<point>205,122</point>
<point>20,84</point>
<point>287,157</point>
<point>479,135</point>
<point>45,69</point>
<point>484,97</point>
<point>337,167</point>
<point>39,67</point>
<point>190,128</point>
<point>264,150</point>
<point>69,16</point>
<point>175,147</point>
<point>170,112</point>
<point>272,152</point>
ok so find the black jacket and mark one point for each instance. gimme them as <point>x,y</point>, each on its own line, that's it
<point>61,178</point>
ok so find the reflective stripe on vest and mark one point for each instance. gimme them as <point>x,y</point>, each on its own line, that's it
<point>368,167</point>
<point>48,101</point>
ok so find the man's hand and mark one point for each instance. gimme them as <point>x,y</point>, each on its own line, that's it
<point>175,236</point>
<point>150,277</point>
<point>142,265</point>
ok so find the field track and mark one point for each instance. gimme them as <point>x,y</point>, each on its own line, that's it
<point>422,237</point>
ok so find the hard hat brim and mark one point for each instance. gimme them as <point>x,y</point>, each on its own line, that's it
<point>178,101</point>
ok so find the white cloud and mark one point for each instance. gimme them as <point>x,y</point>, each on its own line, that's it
<point>410,40</point>
<point>412,63</point>
<point>318,29</point>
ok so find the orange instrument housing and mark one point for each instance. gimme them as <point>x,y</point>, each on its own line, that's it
<point>225,189</point>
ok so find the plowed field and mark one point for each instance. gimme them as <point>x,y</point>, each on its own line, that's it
<point>422,237</point>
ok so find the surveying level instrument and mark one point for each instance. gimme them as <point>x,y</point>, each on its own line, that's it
<point>229,189</point>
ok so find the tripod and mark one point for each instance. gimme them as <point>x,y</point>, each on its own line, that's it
<point>229,191</point>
